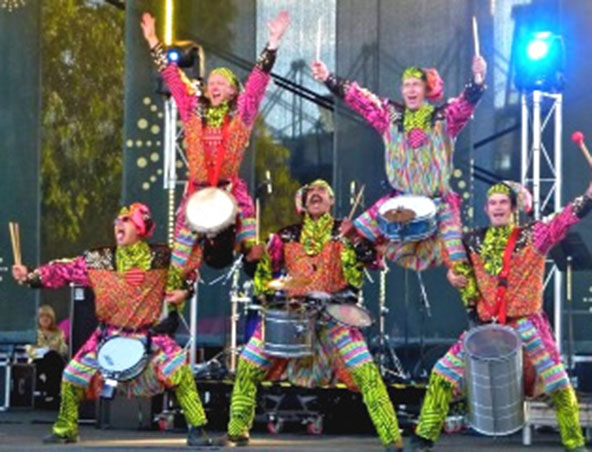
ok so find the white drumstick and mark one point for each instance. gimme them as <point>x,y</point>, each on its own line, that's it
<point>319,32</point>
<point>476,37</point>
<point>478,78</point>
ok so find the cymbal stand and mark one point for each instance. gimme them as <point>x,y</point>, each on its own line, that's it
<point>386,359</point>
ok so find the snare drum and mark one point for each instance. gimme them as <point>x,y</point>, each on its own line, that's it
<point>211,210</point>
<point>122,358</point>
<point>408,218</point>
<point>288,327</point>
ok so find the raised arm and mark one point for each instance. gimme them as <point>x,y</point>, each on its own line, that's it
<point>181,90</point>
<point>372,108</point>
<point>55,274</point>
<point>250,99</point>
<point>547,234</point>
<point>459,110</point>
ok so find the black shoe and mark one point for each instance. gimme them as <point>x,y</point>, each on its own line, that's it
<point>232,441</point>
<point>419,444</point>
<point>197,437</point>
<point>54,438</point>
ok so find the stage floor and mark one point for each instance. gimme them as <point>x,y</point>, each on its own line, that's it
<point>23,430</point>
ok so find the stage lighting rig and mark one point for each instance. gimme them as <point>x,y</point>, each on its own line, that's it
<point>189,57</point>
<point>540,61</point>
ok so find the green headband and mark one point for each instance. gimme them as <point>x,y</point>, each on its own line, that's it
<point>227,74</point>
<point>499,189</point>
<point>413,72</point>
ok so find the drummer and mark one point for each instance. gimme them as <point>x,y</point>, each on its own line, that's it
<point>508,263</point>
<point>419,143</point>
<point>315,258</point>
<point>130,281</point>
<point>218,125</point>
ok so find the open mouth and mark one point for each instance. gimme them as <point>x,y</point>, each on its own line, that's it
<point>316,199</point>
<point>119,234</point>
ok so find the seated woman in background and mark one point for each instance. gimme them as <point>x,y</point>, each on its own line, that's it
<point>49,354</point>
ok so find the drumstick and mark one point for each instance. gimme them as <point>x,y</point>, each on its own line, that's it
<point>477,50</point>
<point>257,219</point>
<point>356,203</point>
<point>318,46</point>
<point>578,138</point>
<point>15,241</point>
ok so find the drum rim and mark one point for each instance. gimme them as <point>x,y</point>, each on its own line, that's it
<point>470,333</point>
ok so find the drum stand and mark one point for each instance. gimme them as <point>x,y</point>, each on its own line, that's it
<point>426,312</point>
<point>386,359</point>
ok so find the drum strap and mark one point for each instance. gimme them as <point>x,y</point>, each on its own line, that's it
<point>500,308</point>
<point>214,167</point>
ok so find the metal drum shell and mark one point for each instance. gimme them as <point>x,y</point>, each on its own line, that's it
<point>494,379</point>
<point>288,334</point>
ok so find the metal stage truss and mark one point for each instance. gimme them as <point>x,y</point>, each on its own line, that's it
<point>541,166</point>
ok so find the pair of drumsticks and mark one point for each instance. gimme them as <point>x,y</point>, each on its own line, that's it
<point>15,239</point>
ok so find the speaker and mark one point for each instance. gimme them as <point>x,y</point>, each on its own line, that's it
<point>22,385</point>
<point>83,320</point>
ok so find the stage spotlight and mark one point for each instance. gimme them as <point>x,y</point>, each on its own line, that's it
<point>173,55</point>
<point>540,61</point>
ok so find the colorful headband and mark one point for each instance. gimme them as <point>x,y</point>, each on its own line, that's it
<point>141,218</point>
<point>300,197</point>
<point>521,197</point>
<point>228,75</point>
<point>432,79</point>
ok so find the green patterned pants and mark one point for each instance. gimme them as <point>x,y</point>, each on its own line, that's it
<point>66,424</point>
<point>366,377</point>
<point>439,395</point>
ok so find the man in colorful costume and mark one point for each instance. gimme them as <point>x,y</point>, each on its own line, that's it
<point>314,252</point>
<point>508,266</point>
<point>419,144</point>
<point>217,129</point>
<point>130,282</point>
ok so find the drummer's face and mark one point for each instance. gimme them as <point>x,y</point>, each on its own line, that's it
<point>413,91</point>
<point>219,89</point>
<point>125,231</point>
<point>318,201</point>
<point>499,209</point>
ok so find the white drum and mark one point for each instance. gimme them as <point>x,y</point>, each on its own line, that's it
<point>211,210</point>
<point>122,358</point>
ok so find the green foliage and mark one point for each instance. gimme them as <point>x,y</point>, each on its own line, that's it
<point>277,210</point>
<point>82,119</point>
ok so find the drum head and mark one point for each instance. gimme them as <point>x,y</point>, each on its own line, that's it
<point>210,210</point>
<point>421,206</point>
<point>349,314</point>
<point>120,353</point>
<point>490,342</point>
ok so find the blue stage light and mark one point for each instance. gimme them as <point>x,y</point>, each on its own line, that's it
<point>539,61</point>
<point>173,55</point>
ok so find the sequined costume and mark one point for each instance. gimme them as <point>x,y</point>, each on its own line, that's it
<point>129,284</point>
<point>313,250</point>
<point>524,297</point>
<point>419,147</point>
<point>216,139</point>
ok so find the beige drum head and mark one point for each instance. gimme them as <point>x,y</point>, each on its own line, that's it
<point>211,210</point>
<point>421,206</point>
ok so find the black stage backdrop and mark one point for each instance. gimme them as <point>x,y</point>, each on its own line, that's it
<point>19,163</point>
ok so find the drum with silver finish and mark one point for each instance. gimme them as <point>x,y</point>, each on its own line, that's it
<point>122,358</point>
<point>494,379</point>
<point>408,218</point>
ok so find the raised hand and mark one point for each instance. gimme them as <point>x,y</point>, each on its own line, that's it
<point>277,27</point>
<point>149,29</point>
<point>479,69</point>
<point>319,70</point>
<point>176,296</point>
<point>19,273</point>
